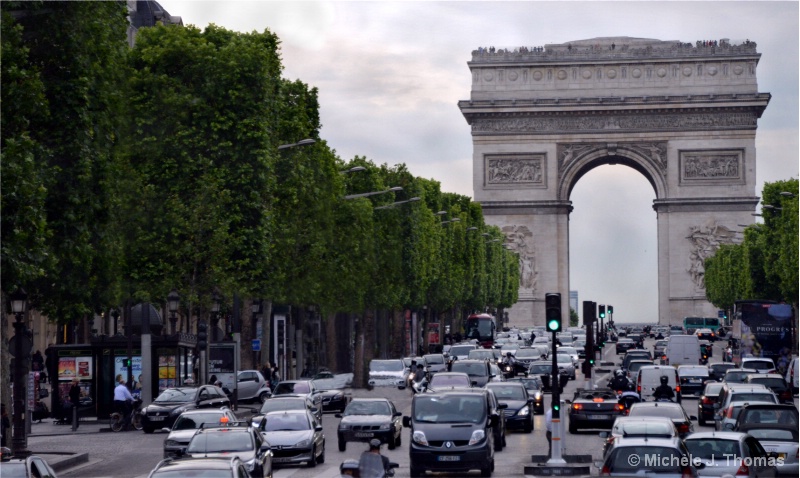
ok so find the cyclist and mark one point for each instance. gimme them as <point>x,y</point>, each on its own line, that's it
<point>123,402</point>
<point>664,391</point>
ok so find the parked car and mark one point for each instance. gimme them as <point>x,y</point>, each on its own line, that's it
<point>244,441</point>
<point>465,419</point>
<point>168,406</point>
<point>368,418</point>
<point>187,425</point>
<point>673,411</point>
<point>596,408</point>
<point>519,405</point>
<point>729,453</point>
<point>252,386</point>
<point>296,437</point>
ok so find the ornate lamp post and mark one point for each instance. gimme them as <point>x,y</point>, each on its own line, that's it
<point>173,301</point>
<point>216,300</point>
<point>115,315</point>
<point>22,355</point>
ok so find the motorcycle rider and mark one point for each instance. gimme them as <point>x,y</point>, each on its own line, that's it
<point>419,376</point>
<point>372,464</point>
<point>664,391</point>
<point>511,362</point>
<point>619,382</point>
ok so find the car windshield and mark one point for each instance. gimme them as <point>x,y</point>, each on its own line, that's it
<point>177,395</point>
<point>692,371</point>
<point>182,473</point>
<point>760,364</point>
<point>527,353</point>
<point>781,416</point>
<point>221,442</point>
<point>636,365</point>
<point>481,354</point>
<point>367,408</point>
<point>449,381</point>
<point>563,358</point>
<point>644,428</point>
<point>712,389</point>
<point>435,359</point>
<point>292,387</point>
<point>654,411</point>
<point>450,409</point>
<point>774,383</point>
<point>640,460</point>
<point>386,366</point>
<point>540,369</point>
<point>773,434</point>
<point>194,420</point>
<point>279,405</point>
<point>280,422</point>
<point>471,369</point>
<point>754,397</point>
<point>14,470</point>
<point>461,349</point>
<point>532,383</point>
<point>508,392</point>
<point>713,448</point>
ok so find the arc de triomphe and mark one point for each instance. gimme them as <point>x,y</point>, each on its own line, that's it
<point>683,115</point>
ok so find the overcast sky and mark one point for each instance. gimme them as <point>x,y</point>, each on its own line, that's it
<point>390,75</point>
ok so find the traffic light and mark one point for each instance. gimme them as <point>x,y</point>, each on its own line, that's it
<point>610,310</point>
<point>552,314</point>
<point>202,335</point>
<point>556,407</point>
<point>602,311</point>
<point>128,363</point>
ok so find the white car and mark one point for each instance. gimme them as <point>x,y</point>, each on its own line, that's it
<point>252,386</point>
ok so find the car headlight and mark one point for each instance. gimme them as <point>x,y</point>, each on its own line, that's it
<point>386,426</point>
<point>304,443</point>
<point>524,412</point>
<point>251,465</point>
<point>419,438</point>
<point>537,396</point>
<point>338,396</point>
<point>344,427</point>
<point>477,437</point>
<point>178,411</point>
<point>171,443</point>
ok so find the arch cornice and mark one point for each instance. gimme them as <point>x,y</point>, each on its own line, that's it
<point>576,159</point>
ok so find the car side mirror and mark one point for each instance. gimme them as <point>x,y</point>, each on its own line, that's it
<point>314,409</point>
<point>502,406</point>
<point>318,428</point>
<point>407,421</point>
<point>729,426</point>
<point>264,447</point>
<point>395,414</point>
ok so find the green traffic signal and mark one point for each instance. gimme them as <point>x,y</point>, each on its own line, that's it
<point>556,407</point>
<point>552,325</point>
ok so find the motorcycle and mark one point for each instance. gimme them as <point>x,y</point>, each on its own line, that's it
<point>372,469</point>
<point>508,370</point>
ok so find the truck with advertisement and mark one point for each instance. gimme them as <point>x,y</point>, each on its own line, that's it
<point>763,328</point>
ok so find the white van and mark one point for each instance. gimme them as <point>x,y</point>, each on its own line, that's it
<point>649,378</point>
<point>683,350</point>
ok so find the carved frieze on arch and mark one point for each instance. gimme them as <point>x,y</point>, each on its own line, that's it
<point>576,159</point>
<point>520,240</point>
<point>705,240</point>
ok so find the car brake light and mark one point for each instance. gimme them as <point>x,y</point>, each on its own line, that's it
<point>743,470</point>
<point>686,472</point>
<point>706,401</point>
<point>683,428</point>
<point>605,471</point>
<point>577,406</point>
<point>677,388</point>
<point>620,406</point>
<point>729,414</point>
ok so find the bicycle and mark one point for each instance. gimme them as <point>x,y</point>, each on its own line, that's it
<point>117,420</point>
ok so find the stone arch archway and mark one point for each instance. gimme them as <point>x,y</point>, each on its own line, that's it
<point>683,115</point>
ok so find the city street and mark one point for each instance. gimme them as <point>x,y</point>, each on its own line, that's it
<point>134,454</point>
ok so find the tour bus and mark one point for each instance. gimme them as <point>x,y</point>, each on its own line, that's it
<point>691,324</point>
<point>482,328</point>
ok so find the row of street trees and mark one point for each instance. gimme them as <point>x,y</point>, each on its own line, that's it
<point>129,172</point>
<point>765,264</point>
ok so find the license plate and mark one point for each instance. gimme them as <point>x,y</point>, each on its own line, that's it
<point>364,435</point>
<point>156,419</point>
<point>694,380</point>
<point>280,460</point>
<point>448,458</point>
<point>597,417</point>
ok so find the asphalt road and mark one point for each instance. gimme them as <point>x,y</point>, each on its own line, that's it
<point>135,454</point>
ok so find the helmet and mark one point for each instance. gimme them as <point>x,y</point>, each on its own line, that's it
<point>374,443</point>
<point>620,373</point>
<point>349,464</point>
<point>508,354</point>
<point>664,380</point>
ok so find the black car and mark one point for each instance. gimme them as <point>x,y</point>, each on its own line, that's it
<point>705,405</point>
<point>535,391</point>
<point>453,432</point>
<point>717,370</point>
<point>169,468</point>
<point>519,405</point>
<point>247,443</point>
<point>334,399</point>
<point>166,408</point>
<point>478,370</point>
<point>368,418</point>
<point>623,345</point>
<point>543,369</point>
<point>594,409</point>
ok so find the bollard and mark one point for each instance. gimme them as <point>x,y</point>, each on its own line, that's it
<point>74,418</point>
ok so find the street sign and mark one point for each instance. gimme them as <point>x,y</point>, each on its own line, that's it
<point>256,345</point>
<point>721,314</point>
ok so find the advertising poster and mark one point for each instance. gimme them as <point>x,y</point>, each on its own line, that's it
<point>167,372</point>
<point>433,333</point>
<point>121,369</point>
<point>83,368</point>
<point>66,368</point>
<point>221,364</point>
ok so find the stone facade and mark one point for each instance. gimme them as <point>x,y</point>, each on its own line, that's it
<point>684,116</point>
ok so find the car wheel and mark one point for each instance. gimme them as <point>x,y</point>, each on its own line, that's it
<point>313,461</point>
<point>572,428</point>
<point>263,397</point>
<point>342,444</point>
<point>488,470</point>
<point>415,472</point>
<point>321,458</point>
<point>399,440</point>
<point>529,426</point>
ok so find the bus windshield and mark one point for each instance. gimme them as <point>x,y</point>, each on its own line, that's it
<point>481,328</point>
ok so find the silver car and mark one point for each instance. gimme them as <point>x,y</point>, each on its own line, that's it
<point>648,457</point>
<point>730,453</point>
<point>252,386</point>
<point>779,439</point>
<point>295,437</point>
<point>187,425</point>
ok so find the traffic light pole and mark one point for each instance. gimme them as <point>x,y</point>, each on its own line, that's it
<point>555,387</point>
<point>589,311</point>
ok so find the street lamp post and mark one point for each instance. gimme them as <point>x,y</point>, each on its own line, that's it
<point>302,142</point>
<point>373,193</point>
<point>354,169</point>
<point>215,303</point>
<point>389,206</point>
<point>173,301</point>
<point>22,354</point>
<point>455,219</point>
